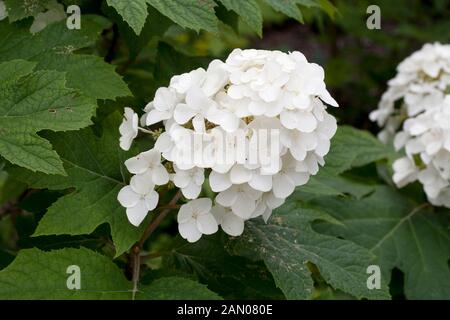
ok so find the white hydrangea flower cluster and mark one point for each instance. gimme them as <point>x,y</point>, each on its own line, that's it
<point>228,108</point>
<point>415,115</point>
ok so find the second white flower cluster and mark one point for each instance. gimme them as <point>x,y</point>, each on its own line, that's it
<point>415,113</point>
<point>252,90</point>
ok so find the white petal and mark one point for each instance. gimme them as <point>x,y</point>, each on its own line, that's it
<point>227,198</point>
<point>151,200</point>
<point>306,122</point>
<point>127,197</point>
<point>199,123</point>
<point>207,224</point>
<point>219,181</point>
<point>272,201</point>
<point>165,99</point>
<point>299,178</point>
<point>164,142</point>
<point>183,113</point>
<point>155,116</point>
<point>232,224</point>
<point>137,164</point>
<point>137,213</point>
<point>216,78</point>
<point>328,99</point>
<point>189,231</point>
<point>218,212</point>
<point>309,140</point>
<point>288,119</point>
<point>201,206</point>
<point>236,91</point>
<point>266,215</point>
<point>181,178</point>
<point>298,152</point>
<point>282,186</point>
<point>250,192</point>
<point>243,206</point>
<point>229,122</point>
<point>270,93</point>
<point>257,107</point>
<point>261,182</point>
<point>160,176</point>
<point>125,142</point>
<point>199,176</point>
<point>323,147</point>
<point>239,174</point>
<point>185,213</point>
<point>191,191</point>
<point>142,183</point>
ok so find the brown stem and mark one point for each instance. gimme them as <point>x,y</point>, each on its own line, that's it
<point>136,250</point>
<point>150,256</point>
<point>175,206</point>
<point>136,258</point>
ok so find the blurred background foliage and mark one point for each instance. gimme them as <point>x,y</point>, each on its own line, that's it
<point>358,62</point>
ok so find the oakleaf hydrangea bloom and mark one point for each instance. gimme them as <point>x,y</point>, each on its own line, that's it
<point>415,116</point>
<point>253,128</point>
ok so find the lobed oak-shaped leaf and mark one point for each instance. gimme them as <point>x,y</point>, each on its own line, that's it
<point>193,14</point>
<point>53,49</point>
<point>35,101</point>
<point>94,167</point>
<point>36,274</point>
<point>287,243</point>
<point>133,12</point>
<point>400,233</point>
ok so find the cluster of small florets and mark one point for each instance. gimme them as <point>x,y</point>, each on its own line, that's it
<point>415,115</point>
<point>253,127</point>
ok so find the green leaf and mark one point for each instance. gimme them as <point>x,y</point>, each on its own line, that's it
<point>94,168</point>
<point>34,101</point>
<point>401,234</point>
<point>155,26</point>
<point>176,288</point>
<point>249,12</point>
<point>350,148</point>
<point>288,243</point>
<point>133,12</point>
<point>169,62</point>
<point>324,5</point>
<point>329,185</point>
<point>287,7</point>
<point>18,9</point>
<point>53,48</point>
<point>193,14</point>
<point>233,277</point>
<point>354,148</point>
<point>36,274</point>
